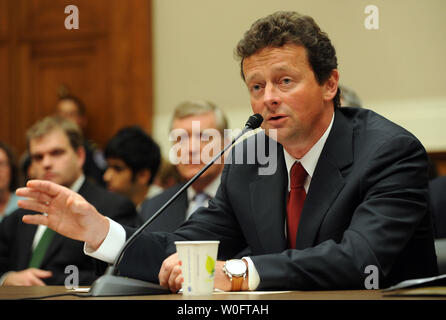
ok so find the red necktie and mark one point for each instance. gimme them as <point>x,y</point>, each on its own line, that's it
<point>296,199</point>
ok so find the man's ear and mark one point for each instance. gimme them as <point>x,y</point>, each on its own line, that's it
<point>330,87</point>
<point>80,152</point>
<point>143,177</point>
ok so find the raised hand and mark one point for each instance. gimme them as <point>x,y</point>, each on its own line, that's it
<point>65,211</point>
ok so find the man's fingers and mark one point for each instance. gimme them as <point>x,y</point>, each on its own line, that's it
<point>178,282</point>
<point>42,274</point>
<point>51,188</point>
<point>166,268</point>
<point>35,276</point>
<point>35,219</point>
<point>33,205</point>
<point>35,281</point>
<point>33,194</point>
<point>173,279</point>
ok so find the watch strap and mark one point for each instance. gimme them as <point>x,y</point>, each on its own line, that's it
<point>236,283</point>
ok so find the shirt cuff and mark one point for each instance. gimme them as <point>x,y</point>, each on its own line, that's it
<point>4,276</point>
<point>253,275</point>
<point>112,244</point>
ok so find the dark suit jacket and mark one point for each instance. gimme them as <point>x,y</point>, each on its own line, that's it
<point>367,205</point>
<point>16,239</point>
<point>437,192</point>
<point>172,217</point>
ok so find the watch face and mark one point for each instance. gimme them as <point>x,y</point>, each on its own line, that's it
<point>236,267</point>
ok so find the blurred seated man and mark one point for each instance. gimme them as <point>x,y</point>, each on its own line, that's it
<point>133,159</point>
<point>72,108</point>
<point>8,181</point>
<point>349,97</point>
<point>208,116</point>
<point>31,255</point>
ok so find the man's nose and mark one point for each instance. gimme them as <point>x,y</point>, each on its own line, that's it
<point>271,97</point>
<point>194,148</point>
<point>107,175</point>
<point>47,161</point>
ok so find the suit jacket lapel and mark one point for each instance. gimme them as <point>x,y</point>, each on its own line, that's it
<point>27,231</point>
<point>327,180</point>
<point>268,200</point>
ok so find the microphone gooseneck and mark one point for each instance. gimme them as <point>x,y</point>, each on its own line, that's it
<point>110,284</point>
<point>253,122</point>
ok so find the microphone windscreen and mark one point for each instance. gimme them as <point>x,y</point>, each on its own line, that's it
<point>254,121</point>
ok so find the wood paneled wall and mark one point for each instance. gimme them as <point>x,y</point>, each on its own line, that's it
<point>107,63</point>
<point>439,158</point>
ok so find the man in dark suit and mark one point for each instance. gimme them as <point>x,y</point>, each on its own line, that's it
<point>57,155</point>
<point>185,115</point>
<point>349,189</point>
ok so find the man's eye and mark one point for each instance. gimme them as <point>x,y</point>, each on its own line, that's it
<point>256,87</point>
<point>286,80</point>
<point>36,157</point>
<point>57,152</point>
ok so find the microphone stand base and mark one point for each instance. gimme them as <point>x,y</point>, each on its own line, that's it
<point>110,285</point>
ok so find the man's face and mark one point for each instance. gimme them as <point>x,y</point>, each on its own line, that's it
<point>5,171</point>
<point>69,110</point>
<point>284,90</point>
<point>196,145</point>
<point>54,159</point>
<point>118,177</point>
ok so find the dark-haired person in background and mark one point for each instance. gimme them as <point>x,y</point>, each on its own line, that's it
<point>133,159</point>
<point>72,108</point>
<point>350,190</point>
<point>8,181</point>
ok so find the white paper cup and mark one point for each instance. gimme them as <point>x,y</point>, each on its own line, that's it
<point>197,266</point>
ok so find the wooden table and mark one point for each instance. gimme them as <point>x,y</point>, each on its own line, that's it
<point>244,305</point>
<point>31,292</point>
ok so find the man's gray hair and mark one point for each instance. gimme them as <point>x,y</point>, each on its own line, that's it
<point>197,107</point>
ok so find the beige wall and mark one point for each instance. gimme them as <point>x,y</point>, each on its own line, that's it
<point>398,70</point>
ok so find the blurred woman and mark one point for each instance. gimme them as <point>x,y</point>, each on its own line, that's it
<point>8,181</point>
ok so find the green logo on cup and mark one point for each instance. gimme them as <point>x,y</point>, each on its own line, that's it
<point>210,266</point>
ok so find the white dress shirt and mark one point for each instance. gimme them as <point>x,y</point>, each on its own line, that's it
<point>115,238</point>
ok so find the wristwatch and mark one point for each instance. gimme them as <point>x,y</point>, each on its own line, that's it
<point>236,270</point>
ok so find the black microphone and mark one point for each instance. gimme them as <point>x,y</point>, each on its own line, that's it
<point>110,284</point>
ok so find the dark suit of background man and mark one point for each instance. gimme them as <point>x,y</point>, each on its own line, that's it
<point>55,146</point>
<point>133,159</point>
<point>366,183</point>
<point>210,117</point>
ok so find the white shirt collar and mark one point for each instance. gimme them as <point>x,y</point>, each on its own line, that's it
<point>78,183</point>
<point>310,159</point>
<point>210,190</point>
